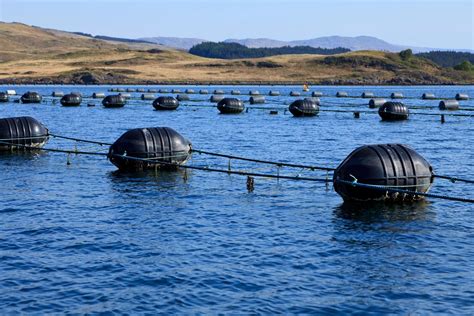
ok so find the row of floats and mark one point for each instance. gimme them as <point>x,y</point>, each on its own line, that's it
<point>339,94</point>
<point>147,95</point>
<point>310,106</point>
<point>139,149</point>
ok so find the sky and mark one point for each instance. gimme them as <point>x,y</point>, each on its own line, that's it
<point>446,24</point>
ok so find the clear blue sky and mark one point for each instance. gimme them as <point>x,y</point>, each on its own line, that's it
<point>435,23</point>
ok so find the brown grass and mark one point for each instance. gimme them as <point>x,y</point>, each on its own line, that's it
<point>29,54</point>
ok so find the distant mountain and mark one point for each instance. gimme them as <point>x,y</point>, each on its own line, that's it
<point>174,42</point>
<point>352,43</point>
<point>259,42</point>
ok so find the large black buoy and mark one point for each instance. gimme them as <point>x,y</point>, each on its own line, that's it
<point>303,108</point>
<point>163,146</point>
<point>4,97</point>
<point>114,101</point>
<point>393,111</point>
<point>165,103</point>
<point>230,106</point>
<point>71,100</point>
<point>393,165</point>
<point>18,132</point>
<point>31,97</point>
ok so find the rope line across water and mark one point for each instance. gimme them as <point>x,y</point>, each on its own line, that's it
<point>394,190</point>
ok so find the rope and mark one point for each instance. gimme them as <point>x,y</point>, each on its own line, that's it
<point>80,140</point>
<point>77,152</point>
<point>453,179</point>
<point>280,164</point>
<point>394,190</point>
<point>242,173</point>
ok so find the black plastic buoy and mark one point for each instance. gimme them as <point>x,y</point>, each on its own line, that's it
<point>203,92</point>
<point>114,101</point>
<point>451,105</point>
<point>216,98</point>
<point>31,97</point>
<point>295,94</point>
<point>375,103</point>
<point>428,96</point>
<point>461,96</point>
<point>24,130</point>
<point>98,95</point>
<point>182,97</point>
<point>274,93</point>
<point>367,95</point>
<point>394,165</point>
<point>393,111</point>
<point>303,108</point>
<point>165,103</point>
<point>230,106</point>
<point>342,94</point>
<point>71,100</point>
<point>163,146</point>
<point>4,97</point>
<point>258,99</point>
<point>235,92</point>
<point>57,94</point>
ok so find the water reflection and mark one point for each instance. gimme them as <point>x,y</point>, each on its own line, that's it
<point>162,180</point>
<point>381,212</point>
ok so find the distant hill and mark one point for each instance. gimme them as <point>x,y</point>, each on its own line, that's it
<point>174,42</point>
<point>237,51</point>
<point>352,43</point>
<point>34,55</point>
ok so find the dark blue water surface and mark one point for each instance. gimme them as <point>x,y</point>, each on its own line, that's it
<point>84,238</point>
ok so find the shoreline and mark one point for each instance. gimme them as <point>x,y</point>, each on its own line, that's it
<point>222,83</point>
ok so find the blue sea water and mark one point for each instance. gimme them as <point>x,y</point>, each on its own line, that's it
<point>84,238</point>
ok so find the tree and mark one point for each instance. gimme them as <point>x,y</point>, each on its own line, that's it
<point>406,54</point>
<point>464,66</point>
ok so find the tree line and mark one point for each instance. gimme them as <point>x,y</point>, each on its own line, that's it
<point>234,50</point>
<point>448,58</point>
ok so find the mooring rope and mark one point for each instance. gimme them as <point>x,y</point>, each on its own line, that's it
<point>394,190</point>
<point>453,179</point>
<point>77,152</point>
<point>281,164</point>
<point>80,140</point>
<point>242,173</point>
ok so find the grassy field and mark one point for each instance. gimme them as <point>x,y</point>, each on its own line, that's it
<point>35,55</point>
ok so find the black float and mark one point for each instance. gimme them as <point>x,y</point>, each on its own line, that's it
<point>114,101</point>
<point>303,108</point>
<point>165,103</point>
<point>230,106</point>
<point>393,166</point>
<point>393,111</point>
<point>24,131</point>
<point>71,100</point>
<point>162,146</point>
<point>31,97</point>
<point>4,97</point>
